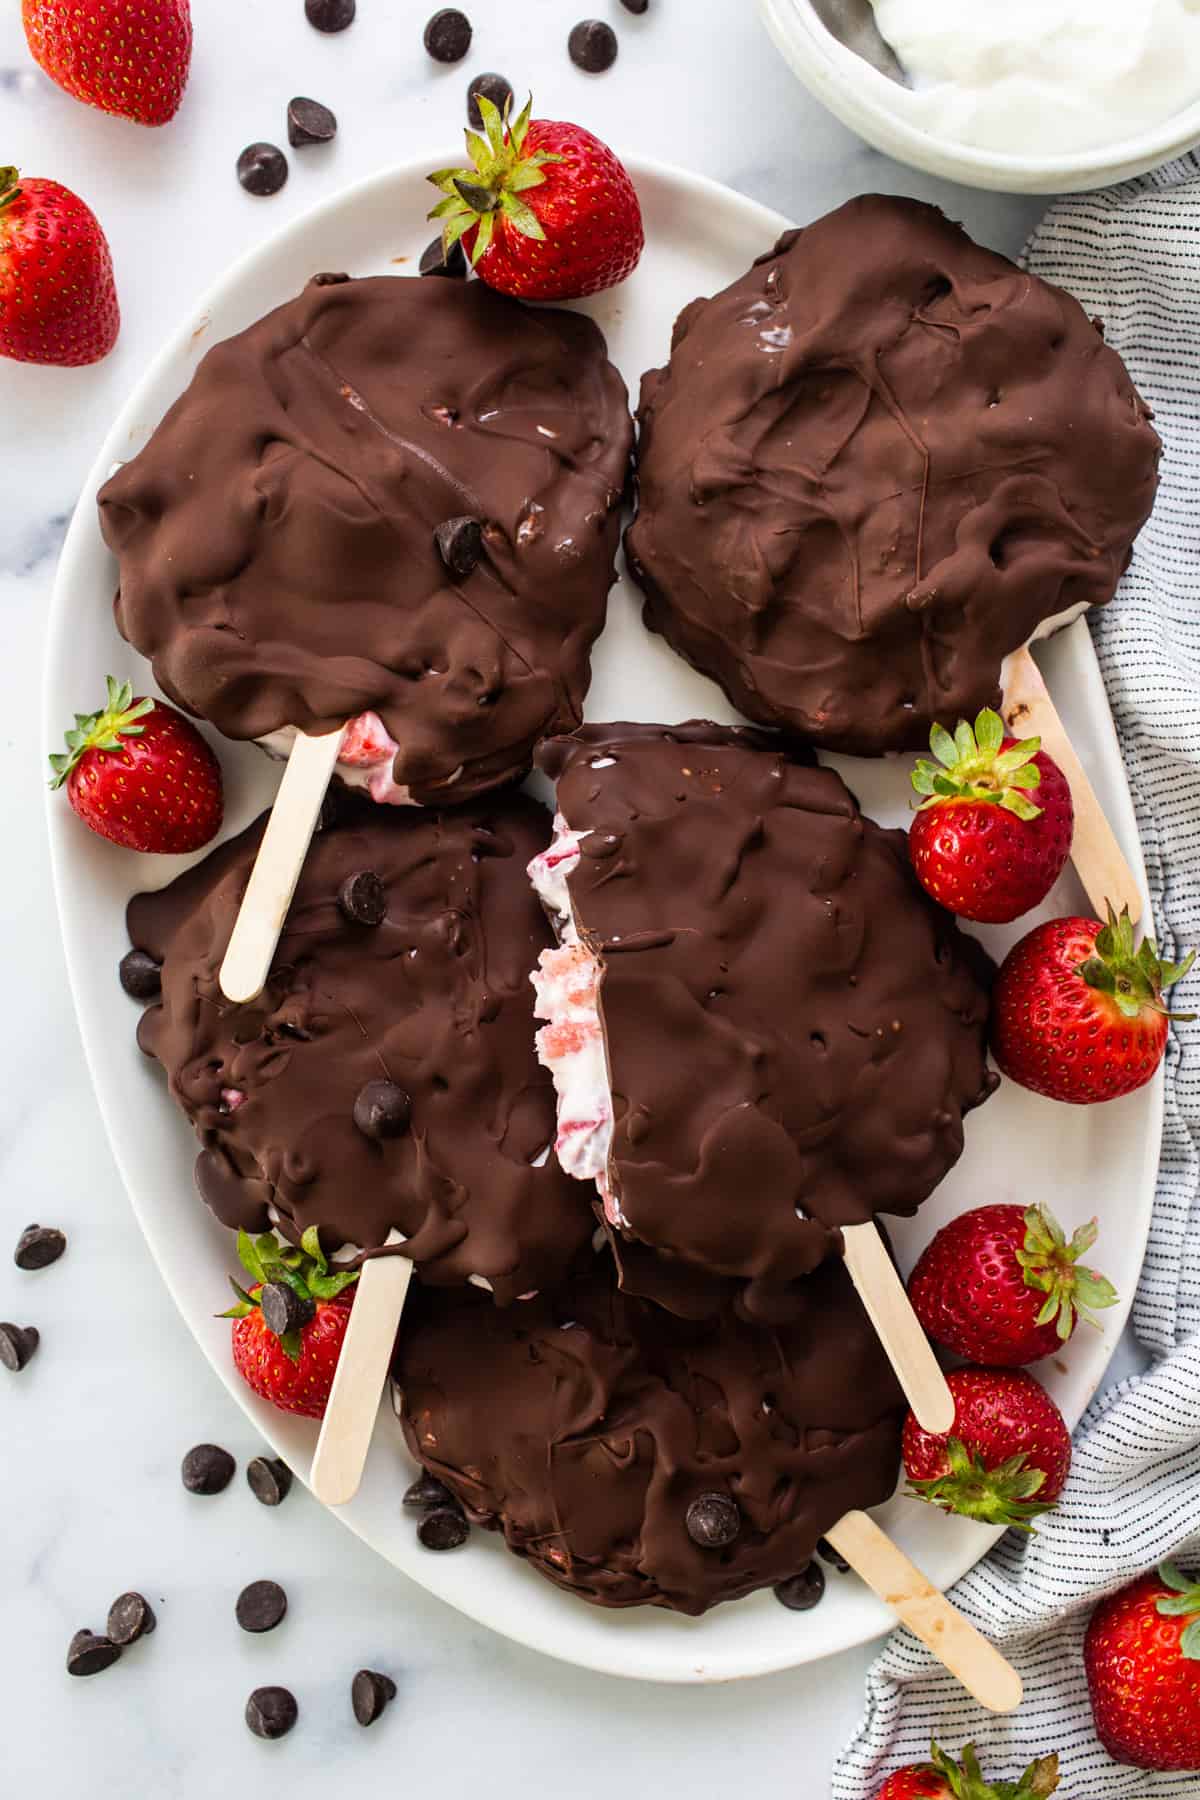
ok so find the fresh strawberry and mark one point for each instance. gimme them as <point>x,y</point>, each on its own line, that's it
<point>140,774</point>
<point>124,58</point>
<point>289,1325</point>
<point>941,1778</point>
<point>1142,1657</point>
<point>546,212</point>
<point>980,843</point>
<point>58,302</point>
<point>1077,1009</point>
<point>1007,1456</point>
<point>1002,1285</point>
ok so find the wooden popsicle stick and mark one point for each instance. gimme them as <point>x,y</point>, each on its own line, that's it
<point>278,864</point>
<point>1099,860</point>
<point>889,1309</point>
<point>362,1369</point>
<point>960,1649</point>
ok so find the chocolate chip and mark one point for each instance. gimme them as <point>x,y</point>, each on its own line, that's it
<point>382,1110</point>
<point>17,1345</point>
<point>636,6</point>
<point>493,87</point>
<point>282,1308</point>
<point>363,898</point>
<point>427,1492</point>
<point>207,1469</point>
<point>800,1593</point>
<point>448,35</point>
<point>460,544</point>
<point>369,1694</point>
<point>434,260</point>
<point>262,169</point>
<point>713,1520</point>
<point>328,278</point>
<point>309,122</point>
<point>130,1617</point>
<point>834,1558</point>
<point>330,15</point>
<point>140,975</point>
<point>261,1606</point>
<point>271,1711</point>
<point>593,46</point>
<point>445,1528</point>
<point>269,1479</point>
<point>88,1654</point>
<point>38,1246</point>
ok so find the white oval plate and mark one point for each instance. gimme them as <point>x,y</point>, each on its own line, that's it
<point>1086,1160</point>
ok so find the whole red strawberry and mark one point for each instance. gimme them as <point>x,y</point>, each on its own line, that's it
<point>1007,1457</point>
<point>941,1778</point>
<point>289,1325</point>
<point>1002,1285</point>
<point>1077,1009</point>
<point>1142,1657</point>
<point>123,57</point>
<point>981,843</point>
<point>141,775</point>
<point>58,301</point>
<point>546,212</point>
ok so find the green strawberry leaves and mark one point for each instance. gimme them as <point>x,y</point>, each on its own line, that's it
<point>1005,1495</point>
<point>1132,975</point>
<point>1183,1603</point>
<point>303,1268</point>
<point>1050,1266</point>
<point>971,765</point>
<point>102,730</point>
<point>490,188</point>
<point>965,1779</point>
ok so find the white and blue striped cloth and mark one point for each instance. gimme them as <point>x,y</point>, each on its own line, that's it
<point>1130,254</point>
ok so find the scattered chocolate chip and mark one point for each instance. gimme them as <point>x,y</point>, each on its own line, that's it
<point>363,898</point>
<point>328,278</point>
<point>207,1469</point>
<point>834,1558</point>
<point>130,1617</point>
<point>445,1528</point>
<point>330,15</point>
<point>382,1110</point>
<point>800,1593</point>
<point>38,1246</point>
<point>493,87</point>
<point>282,1308</point>
<point>713,1520</point>
<point>271,1711</point>
<point>17,1345</point>
<point>140,975</point>
<point>434,260</point>
<point>427,1492</point>
<point>636,6</point>
<point>261,1606</point>
<point>269,1479</point>
<point>262,169</point>
<point>369,1694</point>
<point>448,35</point>
<point>309,122</point>
<point>88,1654</point>
<point>460,545</point>
<point>592,46</point>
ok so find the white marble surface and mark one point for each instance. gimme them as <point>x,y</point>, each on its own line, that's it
<point>92,1432</point>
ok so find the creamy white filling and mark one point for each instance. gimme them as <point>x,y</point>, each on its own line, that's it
<point>571,1042</point>
<point>1043,76</point>
<point>366,758</point>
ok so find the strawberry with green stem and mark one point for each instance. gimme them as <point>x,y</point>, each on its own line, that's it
<point>1141,1656</point>
<point>942,1778</point>
<point>58,300</point>
<point>1005,1459</point>
<point>288,1326</point>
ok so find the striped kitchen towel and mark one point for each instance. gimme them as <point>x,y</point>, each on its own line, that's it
<point>1130,254</point>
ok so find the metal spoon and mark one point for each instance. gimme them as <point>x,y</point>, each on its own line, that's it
<point>852,22</point>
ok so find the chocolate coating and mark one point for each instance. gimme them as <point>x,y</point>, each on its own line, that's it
<point>586,1425</point>
<point>790,1021</point>
<point>435,1000</point>
<point>873,466</point>
<point>276,536</point>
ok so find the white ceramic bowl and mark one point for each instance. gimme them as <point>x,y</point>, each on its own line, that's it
<point>874,106</point>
